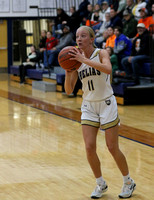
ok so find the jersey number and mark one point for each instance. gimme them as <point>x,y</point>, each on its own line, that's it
<point>90,85</point>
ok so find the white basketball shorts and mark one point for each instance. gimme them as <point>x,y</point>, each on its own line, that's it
<point>103,114</point>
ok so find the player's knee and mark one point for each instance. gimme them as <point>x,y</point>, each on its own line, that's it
<point>112,148</point>
<point>90,149</point>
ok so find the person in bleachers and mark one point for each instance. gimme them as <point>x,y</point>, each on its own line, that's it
<point>61,19</point>
<point>135,11</point>
<point>99,32</point>
<point>50,43</point>
<point>144,18</point>
<point>74,21</point>
<point>43,38</point>
<point>129,5</point>
<point>139,54</point>
<point>102,42</point>
<point>111,39</point>
<point>30,63</point>
<point>115,19</point>
<point>114,4</point>
<point>129,24</point>
<point>42,44</point>
<point>90,9</point>
<point>113,59</point>
<point>99,2</point>
<point>83,12</point>
<point>96,18</point>
<point>65,40</point>
<point>105,9</point>
<point>121,7</point>
<point>123,45</point>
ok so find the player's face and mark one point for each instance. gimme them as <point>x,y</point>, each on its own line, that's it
<point>83,38</point>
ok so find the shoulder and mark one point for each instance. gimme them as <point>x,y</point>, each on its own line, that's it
<point>103,54</point>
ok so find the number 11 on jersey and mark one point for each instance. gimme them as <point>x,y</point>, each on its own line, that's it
<point>90,85</point>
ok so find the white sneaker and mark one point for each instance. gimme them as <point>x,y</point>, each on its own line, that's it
<point>98,192</point>
<point>127,190</point>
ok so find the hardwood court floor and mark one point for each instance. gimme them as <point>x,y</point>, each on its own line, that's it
<point>42,155</point>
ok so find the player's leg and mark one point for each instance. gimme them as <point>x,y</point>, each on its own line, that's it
<point>111,136</point>
<point>89,135</point>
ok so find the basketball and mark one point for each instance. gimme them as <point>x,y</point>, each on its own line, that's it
<point>64,60</point>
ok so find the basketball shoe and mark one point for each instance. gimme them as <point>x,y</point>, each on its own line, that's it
<point>99,190</point>
<point>127,190</point>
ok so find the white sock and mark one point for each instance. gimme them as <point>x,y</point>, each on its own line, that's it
<point>100,181</point>
<point>127,178</point>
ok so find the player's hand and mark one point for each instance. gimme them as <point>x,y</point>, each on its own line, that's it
<point>76,54</point>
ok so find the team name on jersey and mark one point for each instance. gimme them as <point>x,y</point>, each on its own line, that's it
<point>88,72</point>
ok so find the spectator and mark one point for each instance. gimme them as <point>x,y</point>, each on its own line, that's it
<point>90,11</point>
<point>97,17</point>
<point>144,19</point>
<point>129,5</point>
<point>98,37</point>
<point>50,43</point>
<point>99,2</point>
<point>42,44</point>
<point>111,39</point>
<point>83,9</point>
<point>113,59</point>
<point>139,54</point>
<point>61,18</point>
<point>121,7</point>
<point>105,9</point>
<point>129,25</point>
<point>101,43</point>
<point>74,21</point>
<point>65,40</point>
<point>152,17</point>
<point>135,11</point>
<point>123,45</point>
<point>32,58</point>
<point>115,20</point>
<point>114,4</point>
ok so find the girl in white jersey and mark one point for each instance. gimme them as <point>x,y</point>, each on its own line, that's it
<point>99,107</point>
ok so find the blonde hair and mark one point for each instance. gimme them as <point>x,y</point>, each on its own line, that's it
<point>91,33</point>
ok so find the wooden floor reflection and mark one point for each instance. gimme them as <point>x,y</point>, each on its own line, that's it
<point>42,154</point>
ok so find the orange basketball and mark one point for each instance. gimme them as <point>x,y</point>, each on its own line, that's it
<point>64,59</point>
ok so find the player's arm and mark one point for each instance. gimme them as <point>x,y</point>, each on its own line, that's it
<point>70,81</point>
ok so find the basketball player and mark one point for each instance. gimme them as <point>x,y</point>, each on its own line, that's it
<point>99,108</point>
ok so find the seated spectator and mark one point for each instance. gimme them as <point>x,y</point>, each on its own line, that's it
<point>32,59</point>
<point>96,18</point>
<point>90,11</point>
<point>60,19</point>
<point>105,9</point>
<point>50,43</point>
<point>114,4</point>
<point>74,21</point>
<point>115,19</point>
<point>123,45</point>
<point>135,11</point>
<point>144,18</point>
<point>111,39</point>
<point>129,25</point>
<point>65,40</point>
<point>99,2</point>
<point>121,8</point>
<point>152,15</point>
<point>42,44</point>
<point>101,43</point>
<point>104,26</point>
<point>83,12</point>
<point>113,59</point>
<point>139,54</point>
<point>129,5</point>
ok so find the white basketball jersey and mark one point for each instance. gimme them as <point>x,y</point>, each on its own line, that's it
<point>95,84</point>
